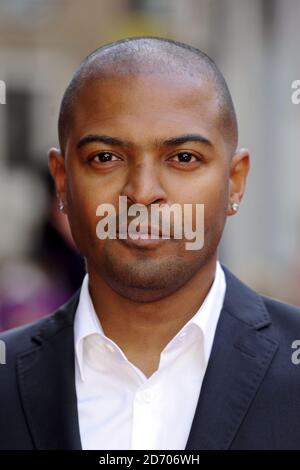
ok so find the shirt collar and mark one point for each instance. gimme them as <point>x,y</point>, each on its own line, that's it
<point>207,316</point>
<point>87,323</point>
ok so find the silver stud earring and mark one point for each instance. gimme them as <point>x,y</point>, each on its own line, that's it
<point>235,206</point>
<point>61,204</point>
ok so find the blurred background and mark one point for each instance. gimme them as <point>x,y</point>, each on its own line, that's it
<point>254,43</point>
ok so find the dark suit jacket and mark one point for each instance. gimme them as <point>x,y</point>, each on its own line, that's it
<point>250,397</point>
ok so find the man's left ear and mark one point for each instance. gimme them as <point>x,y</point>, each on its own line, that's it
<point>239,169</point>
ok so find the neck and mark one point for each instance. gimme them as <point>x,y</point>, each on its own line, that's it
<point>142,330</point>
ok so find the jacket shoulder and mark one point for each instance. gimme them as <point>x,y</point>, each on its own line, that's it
<point>282,313</point>
<point>21,338</point>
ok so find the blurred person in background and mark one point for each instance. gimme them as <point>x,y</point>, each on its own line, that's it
<point>40,267</point>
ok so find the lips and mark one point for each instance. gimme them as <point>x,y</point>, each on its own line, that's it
<point>141,242</point>
<point>143,232</point>
<point>142,239</point>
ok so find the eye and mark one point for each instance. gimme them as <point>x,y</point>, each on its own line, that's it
<point>104,157</point>
<point>185,157</point>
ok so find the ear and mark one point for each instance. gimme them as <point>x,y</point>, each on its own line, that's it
<point>56,164</point>
<point>239,169</point>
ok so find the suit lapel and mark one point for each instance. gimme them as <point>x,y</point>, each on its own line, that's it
<point>242,353</point>
<point>46,378</point>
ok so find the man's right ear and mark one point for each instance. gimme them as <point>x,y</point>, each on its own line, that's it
<point>56,164</point>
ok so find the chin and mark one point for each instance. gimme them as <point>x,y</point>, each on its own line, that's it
<point>141,295</point>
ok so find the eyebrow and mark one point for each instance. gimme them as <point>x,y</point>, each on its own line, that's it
<point>115,141</point>
<point>104,139</point>
<point>183,139</point>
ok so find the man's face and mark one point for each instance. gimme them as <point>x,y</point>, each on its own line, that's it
<point>143,112</point>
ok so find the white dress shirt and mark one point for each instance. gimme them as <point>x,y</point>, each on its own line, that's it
<point>118,406</point>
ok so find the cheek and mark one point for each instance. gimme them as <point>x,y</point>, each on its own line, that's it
<point>82,201</point>
<point>213,194</point>
<point>90,189</point>
<point>84,195</point>
<point>210,189</point>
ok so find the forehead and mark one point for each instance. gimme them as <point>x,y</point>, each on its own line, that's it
<point>146,106</point>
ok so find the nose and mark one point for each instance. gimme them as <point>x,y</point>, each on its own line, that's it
<point>143,185</point>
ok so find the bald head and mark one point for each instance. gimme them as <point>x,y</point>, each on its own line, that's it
<point>149,55</point>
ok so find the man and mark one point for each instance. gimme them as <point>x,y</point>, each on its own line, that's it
<point>162,348</point>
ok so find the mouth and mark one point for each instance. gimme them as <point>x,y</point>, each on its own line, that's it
<point>146,237</point>
<point>143,231</point>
